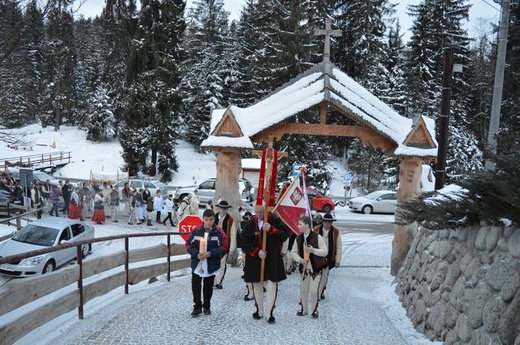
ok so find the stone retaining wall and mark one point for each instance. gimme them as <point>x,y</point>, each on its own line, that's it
<point>463,286</point>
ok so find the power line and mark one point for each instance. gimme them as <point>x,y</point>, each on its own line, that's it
<point>496,9</point>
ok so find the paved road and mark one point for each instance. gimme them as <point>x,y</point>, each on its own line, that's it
<point>371,226</point>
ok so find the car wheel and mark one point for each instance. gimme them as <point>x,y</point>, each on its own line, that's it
<point>327,208</point>
<point>85,250</point>
<point>367,209</point>
<point>49,267</point>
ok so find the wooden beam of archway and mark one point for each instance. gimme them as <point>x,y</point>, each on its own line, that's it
<point>366,134</point>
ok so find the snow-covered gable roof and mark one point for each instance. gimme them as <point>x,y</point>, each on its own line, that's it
<point>323,82</point>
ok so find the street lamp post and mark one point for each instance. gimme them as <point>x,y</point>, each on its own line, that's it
<point>496,104</point>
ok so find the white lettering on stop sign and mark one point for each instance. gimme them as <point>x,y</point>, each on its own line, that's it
<point>188,224</point>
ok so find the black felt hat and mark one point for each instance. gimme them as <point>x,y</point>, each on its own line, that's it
<point>223,204</point>
<point>329,217</point>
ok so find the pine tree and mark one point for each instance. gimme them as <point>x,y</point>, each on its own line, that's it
<point>438,23</point>
<point>89,69</point>
<point>12,65</point>
<point>60,63</point>
<point>207,68</point>
<point>34,45</point>
<point>119,27</point>
<point>362,47</point>
<point>153,72</point>
<point>480,71</point>
<point>100,118</point>
<point>394,93</point>
<point>510,112</point>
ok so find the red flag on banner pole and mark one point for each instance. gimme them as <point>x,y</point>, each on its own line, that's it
<point>263,176</point>
<point>293,203</point>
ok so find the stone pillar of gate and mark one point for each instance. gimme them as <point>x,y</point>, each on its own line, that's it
<point>409,182</point>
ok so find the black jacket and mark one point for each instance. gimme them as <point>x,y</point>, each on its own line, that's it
<point>251,238</point>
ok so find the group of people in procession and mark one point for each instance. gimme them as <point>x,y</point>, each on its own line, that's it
<point>102,201</point>
<point>316,250</point>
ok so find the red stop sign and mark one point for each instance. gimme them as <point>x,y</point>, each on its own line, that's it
<point>187,224</point>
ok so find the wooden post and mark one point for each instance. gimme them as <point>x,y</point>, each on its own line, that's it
<point>409,182</point>
<point>229,164</point>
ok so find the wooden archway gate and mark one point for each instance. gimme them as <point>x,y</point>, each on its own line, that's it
<point>410,140</point>
<point>229,166</point>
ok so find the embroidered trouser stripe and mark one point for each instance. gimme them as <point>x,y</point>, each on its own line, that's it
<point>324,280</point>
<point>271,292</point>
<point>222,271</point>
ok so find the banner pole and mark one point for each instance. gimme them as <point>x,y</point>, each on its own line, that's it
<point>267,196</point>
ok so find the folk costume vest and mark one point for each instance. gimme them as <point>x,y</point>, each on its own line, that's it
<point>318,263</point>
<point>332,241</point>
<point>227,223</point>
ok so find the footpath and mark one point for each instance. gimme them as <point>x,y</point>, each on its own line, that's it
<point>359,309</point>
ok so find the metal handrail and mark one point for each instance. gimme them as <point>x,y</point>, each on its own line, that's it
<point>66,245</point>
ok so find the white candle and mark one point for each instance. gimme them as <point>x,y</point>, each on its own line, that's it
<point>202,246</point>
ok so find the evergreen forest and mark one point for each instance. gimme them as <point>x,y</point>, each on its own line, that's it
<point>149,73</point>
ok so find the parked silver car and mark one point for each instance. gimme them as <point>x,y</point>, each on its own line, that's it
<point>207,191</point>
<point>381,201</point>
<point>44,233</point>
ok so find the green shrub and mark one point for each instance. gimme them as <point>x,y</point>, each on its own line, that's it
<point>488,196</point>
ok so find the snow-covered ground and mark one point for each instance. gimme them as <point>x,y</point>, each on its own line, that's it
<point>360,250</point>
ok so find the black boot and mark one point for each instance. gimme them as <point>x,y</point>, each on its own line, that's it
<point>196,311</point>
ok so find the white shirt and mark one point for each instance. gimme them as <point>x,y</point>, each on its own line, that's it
<point>202,267</point>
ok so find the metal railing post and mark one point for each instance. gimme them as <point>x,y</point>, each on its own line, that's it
<point>80,281</point>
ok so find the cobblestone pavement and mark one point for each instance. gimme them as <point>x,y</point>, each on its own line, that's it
<point>160,314</point>
<point>360,309</point>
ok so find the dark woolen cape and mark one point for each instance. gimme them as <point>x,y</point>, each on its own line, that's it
<point>252,243</point>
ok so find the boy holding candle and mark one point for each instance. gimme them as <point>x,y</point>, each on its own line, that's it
<point>206,245</point>
<point>310,250</point>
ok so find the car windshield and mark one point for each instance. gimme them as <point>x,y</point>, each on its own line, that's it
<point>374,195</point>
<point>37,235</point>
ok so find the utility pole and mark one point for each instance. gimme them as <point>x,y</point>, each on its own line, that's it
<point>496,105</point>
<point>444,118</point>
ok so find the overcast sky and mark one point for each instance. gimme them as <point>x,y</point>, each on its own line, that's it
<point>481,9</point>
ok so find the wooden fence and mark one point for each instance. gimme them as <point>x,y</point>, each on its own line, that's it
<point>39,161</point>
<point>74,288</point>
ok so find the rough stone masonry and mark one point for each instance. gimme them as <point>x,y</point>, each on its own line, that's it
<point>462,286</point>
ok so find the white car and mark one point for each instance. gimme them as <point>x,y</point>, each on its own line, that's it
<point>40,234</point>
<point>207,191</point>
<point>381,201</point>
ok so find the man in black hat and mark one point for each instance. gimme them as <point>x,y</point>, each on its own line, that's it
<point>332,237</point>
<point>225,221</point>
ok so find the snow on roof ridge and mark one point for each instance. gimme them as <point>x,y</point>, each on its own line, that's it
<point>323,81</point>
